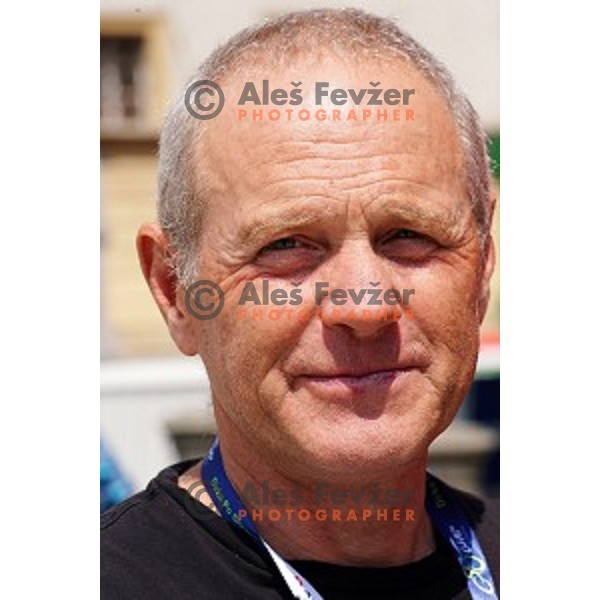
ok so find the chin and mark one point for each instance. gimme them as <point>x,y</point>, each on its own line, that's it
<point>353,449</point>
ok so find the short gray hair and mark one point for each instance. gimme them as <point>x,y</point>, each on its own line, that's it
<point>181,190</point>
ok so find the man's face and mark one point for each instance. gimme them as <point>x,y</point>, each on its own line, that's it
<point>351,204</point>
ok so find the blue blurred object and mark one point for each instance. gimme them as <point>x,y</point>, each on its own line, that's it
<point>114,487</point>
<point>485,409</point>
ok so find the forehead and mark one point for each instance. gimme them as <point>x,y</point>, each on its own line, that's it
<point>248,160</point>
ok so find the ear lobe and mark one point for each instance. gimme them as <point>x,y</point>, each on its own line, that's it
<point>156,263</point>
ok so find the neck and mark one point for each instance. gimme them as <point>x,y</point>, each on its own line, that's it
<point>363,523</point>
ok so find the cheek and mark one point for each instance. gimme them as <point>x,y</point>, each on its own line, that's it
<point>446,296</point>
<point>445,317</point>
<point>445,309</point>
<point>245,344</point>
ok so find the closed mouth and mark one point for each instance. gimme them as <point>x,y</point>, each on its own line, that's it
<point>358,381</point>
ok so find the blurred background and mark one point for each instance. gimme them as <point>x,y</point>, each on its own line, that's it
<point>155,403</point>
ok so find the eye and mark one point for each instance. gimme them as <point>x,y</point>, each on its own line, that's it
<point>405,234</point>
<point>408,244</point>
<point>288,243</point>
<point>289,255</point>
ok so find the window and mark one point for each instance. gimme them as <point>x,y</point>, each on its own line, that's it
<point>122,85</point>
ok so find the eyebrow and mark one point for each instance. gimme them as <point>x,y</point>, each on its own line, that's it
<point>417,208</point>
<point>278,219</point>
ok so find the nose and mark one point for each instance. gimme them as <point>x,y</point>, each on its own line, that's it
<point>361,293</point>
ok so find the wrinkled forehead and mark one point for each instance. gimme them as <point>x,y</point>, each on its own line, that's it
<point>316,109</point>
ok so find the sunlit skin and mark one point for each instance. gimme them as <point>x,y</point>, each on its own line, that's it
<point>337,400</point>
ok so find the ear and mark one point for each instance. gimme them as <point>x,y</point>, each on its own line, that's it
<point>488,270</point>
<point>489,264</point>
<point>156,261</point>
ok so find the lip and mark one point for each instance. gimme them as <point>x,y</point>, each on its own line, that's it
<point>344,383</point>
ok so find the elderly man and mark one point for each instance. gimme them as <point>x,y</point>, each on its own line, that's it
<point>317,485</point>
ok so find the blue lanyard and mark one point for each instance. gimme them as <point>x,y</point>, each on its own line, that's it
<point>447,516</point>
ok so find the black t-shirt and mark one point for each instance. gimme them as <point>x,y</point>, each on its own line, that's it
<point>161,544</point>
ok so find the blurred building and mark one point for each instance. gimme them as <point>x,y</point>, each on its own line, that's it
<point>135,85</point>
<point>148,49</point>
